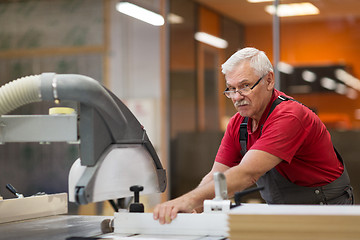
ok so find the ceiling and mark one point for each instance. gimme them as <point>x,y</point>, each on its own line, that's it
<point>254,13</point>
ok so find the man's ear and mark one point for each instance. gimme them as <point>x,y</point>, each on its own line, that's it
<point>270,81</point>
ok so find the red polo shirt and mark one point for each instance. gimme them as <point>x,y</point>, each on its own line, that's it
<point>293,133</point>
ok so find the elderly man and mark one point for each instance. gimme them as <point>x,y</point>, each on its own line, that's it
<point>282,145</point>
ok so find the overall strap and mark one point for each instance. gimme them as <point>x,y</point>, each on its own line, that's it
<point>243,136</point>
<point>243,126</point>
<point>277,101</point>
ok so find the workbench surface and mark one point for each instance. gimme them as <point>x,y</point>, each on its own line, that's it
<point>57,227</point>
<point>74,227</point>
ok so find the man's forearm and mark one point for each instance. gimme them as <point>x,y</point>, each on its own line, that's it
<point>217,167</point>
<point>206,179</point>
<point>205,190</point>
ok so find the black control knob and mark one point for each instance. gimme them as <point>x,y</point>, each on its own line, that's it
<point>136,206</point>
<point>238,195</point>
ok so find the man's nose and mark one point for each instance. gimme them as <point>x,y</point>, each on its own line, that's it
<point>237,96</point>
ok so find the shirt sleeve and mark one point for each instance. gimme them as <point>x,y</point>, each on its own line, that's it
<point>229,150</point>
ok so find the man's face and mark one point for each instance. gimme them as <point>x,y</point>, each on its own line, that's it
<point>251,104</point>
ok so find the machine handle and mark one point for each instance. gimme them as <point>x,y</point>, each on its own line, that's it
<point>13,190</point>
<point>136,206</point>
<point>238,195</point>
<point>220,186</point>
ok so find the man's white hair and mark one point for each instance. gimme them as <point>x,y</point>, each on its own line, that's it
<point>258,61</point>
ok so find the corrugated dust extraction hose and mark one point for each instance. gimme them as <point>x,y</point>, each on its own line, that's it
<point>19,92</point>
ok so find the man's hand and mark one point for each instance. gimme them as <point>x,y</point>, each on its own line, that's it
<point>191,201</point>
<point>167,211</point>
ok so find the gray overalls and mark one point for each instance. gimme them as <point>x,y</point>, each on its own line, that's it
<point>279,190</point>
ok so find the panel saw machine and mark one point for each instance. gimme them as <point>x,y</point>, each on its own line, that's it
<point>117,159</point>
<point>115,151</point>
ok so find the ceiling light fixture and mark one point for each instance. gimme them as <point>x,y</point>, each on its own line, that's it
<point>211,40</point>
<point>328,83</point>
<point>285,68</point>
<point>347,78</point>
<point>140,13</point>
<point>259,1</point>
<point>293,9</point>
<point>341,89</point>
<point>175,19</point>
<point>308,76</point>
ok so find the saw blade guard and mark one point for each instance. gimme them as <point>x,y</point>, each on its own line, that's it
<point>112,141</point>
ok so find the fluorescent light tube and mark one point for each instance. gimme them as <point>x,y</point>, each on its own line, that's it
<point>293,9</point>
<point>285,68</point>
<point>308,76</point>
<point>175,19</point>
<point>341,89</point>
<point>211,40</point>
<point>258,1</point>
<point>328,83</point>
<point>140,13</point>
<point>347,78</point>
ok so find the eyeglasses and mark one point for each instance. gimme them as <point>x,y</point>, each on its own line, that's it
<point>244,90</point>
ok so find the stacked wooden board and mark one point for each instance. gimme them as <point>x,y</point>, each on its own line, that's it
<point>284,222</point>
<point>17,209</point>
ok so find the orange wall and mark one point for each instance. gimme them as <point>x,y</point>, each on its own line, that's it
<point>322,42</point>
<point>260,37</point>
<point>209,21</point>
<point>183,42</point>
<point>318,43</point>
